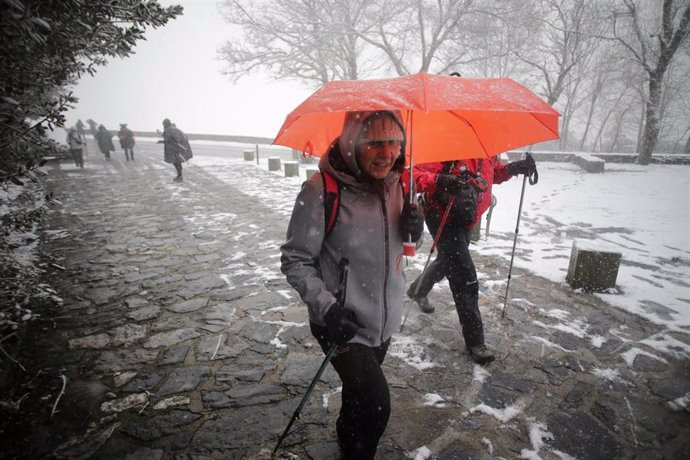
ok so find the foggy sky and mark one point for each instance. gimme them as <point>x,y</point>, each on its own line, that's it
<point>175,74</point>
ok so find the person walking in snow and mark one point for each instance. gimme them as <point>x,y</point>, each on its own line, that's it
<point>76,146</point>
<point>374,218</point>
<point>176,149</point>
<point>126,137</point>
<point>440,181</point>
<point>104,139</point>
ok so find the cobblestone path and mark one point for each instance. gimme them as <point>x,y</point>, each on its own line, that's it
<point>178,338</point>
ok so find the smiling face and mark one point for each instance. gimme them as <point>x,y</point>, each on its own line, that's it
<point>376,158</point>
<point>379,145</point>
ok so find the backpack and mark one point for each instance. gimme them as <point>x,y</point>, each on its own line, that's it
<point>331,200</point>
<point>187,155</point>
<point>465,203</point>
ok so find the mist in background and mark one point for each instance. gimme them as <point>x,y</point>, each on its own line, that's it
<point>175,74</point>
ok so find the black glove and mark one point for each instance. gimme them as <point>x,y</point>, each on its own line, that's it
<point>411,221</point>
<point>527,166</point>
<point>341,323</point>
<point>449,184</point>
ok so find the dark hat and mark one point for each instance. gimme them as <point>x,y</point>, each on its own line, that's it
<point>166,122</point>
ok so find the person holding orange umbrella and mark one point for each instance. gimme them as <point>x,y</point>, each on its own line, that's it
<point>469,182</point>
<point>374,218</point>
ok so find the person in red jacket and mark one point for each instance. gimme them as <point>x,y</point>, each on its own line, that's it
<point>439,182</point>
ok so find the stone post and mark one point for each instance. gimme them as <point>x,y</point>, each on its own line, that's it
<point>311,172</point>
<point>274,164</point>
<point>291,168</point>
<point>249,155</point>
<point>593,266</point>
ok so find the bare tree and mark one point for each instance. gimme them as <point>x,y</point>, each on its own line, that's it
<point>412,34</point>
<point>651,38</point>
<point>496,34</point>
<point>322,40</point>
<point>567,40</point>
<point>309,40</point>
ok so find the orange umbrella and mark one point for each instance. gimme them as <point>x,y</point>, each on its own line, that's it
<point>446,118</point>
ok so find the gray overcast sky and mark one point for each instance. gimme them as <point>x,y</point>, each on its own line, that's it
<point>175,74</point>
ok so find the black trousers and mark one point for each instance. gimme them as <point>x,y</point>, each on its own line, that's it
<point>454,261</point>
<point>366,402</point>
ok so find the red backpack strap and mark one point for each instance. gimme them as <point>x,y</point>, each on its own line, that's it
<point>331,200</point>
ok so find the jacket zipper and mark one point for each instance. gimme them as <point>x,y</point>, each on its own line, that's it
<point>386,259</point>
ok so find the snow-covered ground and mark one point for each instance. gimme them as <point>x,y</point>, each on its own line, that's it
<point>643,212</point>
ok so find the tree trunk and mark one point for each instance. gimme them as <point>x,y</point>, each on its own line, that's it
<point>590,114</point>
<point>651,127</point>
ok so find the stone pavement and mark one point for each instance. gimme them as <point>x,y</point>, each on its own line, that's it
<point>178,338</point>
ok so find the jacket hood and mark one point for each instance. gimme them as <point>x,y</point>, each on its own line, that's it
<point>342,156</point>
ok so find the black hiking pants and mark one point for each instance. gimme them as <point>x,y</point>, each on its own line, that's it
<point>454,262</point>
<point>366,402</point>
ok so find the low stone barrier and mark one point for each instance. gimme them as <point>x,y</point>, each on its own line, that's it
<point>589,163</point>
<point>593,266</point>
<point>249,155</point>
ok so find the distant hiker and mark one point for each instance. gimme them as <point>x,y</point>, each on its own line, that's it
<point>82,134</point>
<point>81,130</point>
<point>93,127</point>
<point>440,181</point>
<point>104,138</point>
<point>176,149</point>
<point>374,219</point>
<point>75,147</point>
<point>126,137</point>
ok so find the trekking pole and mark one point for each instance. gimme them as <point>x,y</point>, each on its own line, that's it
<point>296,414</point>
<point>533,179</point>
<point>444,218</point>
<point>344,266</point>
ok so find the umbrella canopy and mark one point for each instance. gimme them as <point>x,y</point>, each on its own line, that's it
<point>446,118</point>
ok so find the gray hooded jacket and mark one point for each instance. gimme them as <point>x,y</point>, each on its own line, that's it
<point>367,233</point>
